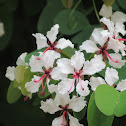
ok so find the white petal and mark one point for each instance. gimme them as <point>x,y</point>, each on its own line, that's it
<point>77,60</point>
<point>21,59</point>
<point>65,66</point>
<point>63,43</point>
<point>120,28</point>
<point>65,85</point>
<point>116,57</point>
<point>41,40</point>
<point>79,89</point>
<point>36,64</point>
<point>106,11</point>
<point>74,121</point>
<point>56,74</point>
<point>100,36</point>
<point>89,46</point>
<point>52,34</point>
<point>122,85</point>
<point>109,24</point>
<point>10,73</point>
<point>1,29</point>
<point>95,82</point>
<point>93,66</point>
<point>32,87</point>
<point>77,104</point>
<point>111,76</point>
<point>58,121</point>
<point>49,106</point>
<point>52,88</point>
<point>118,17</point>
<point>49,57</point>
<point>62,100</point>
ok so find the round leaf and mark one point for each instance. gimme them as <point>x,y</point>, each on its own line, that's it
<point>13,94</point>
<point>106,99</point>
<point>71,23</point>
<point>67,3</point>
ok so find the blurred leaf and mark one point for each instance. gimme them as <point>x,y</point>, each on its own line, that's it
<point>19,73</point>
<point>115,6</point>
<point>67,3</point>
<point>81,114</point>
<point>109,2</point>
<point>7,20</point>
<point>95,117</point>
<point>122,3</point>
<point>15,84</point>
<point>48,14</point>
<point>120,108</point>
<point>36,101</point>
<point>13,94</point>
<point>35,53</point>
<point>32,7</point>
<point>70,24</point>
<point>28,75</point>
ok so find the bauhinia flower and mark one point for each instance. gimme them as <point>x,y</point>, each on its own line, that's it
<point>77,67</point>
<point>102,38</point>
<point>1,29</point>
<point>111,77</point>
<point>106,11</point>
<point>52,44</point>
<point>44,65</point>
<point>10,70</point>
<point>64,104</point>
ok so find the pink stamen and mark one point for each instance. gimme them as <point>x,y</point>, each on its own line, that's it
<point>42,92</point>
<point>122,39</point>
<point>81,84</point>
<point>63,118</point>
<point>36,81</point>
<point>26,98</point>
<point>110,57</point>
<point>47,49</point>
<point>71,85</point>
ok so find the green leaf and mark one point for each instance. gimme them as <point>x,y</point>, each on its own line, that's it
<point>28,75</point>
<point>67,3</point>
<point>32,7</point>
<point>109,2</point>
<point>106,99</point>
<point>122,3</point>
<point>95,117</point>
<point>81,114</point>
<point>19,73</point>
<point>15,84</point>
<point>13,94</point>
<point>68,52</point>
<point>48,14</point>
<point>70,24</point>
<point>35,53</point>
<point>120,108</point>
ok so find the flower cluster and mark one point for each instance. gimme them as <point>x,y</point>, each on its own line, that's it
<point>68,79</point>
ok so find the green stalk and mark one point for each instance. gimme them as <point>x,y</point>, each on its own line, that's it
<point>64,53</point>
<point>91,56</point>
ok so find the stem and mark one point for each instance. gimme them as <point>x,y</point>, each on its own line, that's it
<point>74,8</point>
<point>90,57</point>
<point>96,12</point>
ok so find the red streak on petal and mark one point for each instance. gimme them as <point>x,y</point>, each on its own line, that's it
<point>47,49</point>
<point>36,81</point>
<point>110,57</point>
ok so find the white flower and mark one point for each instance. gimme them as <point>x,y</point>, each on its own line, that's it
<point>10,73</point>
<point>41,40</point>
<point>111,76</point>
<point>77,67</point>
<point>1,29</point>
<point>21,59</point>
<point>63,103</point>
<point>121,85</point>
